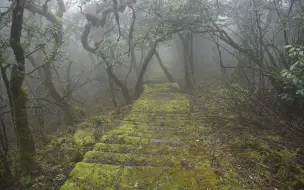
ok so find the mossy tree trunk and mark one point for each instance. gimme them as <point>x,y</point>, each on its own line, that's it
<point>18,98</point>
<point>164,68</point>
<point>6,175</point>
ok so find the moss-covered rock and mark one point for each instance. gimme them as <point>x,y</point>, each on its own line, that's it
<point>69,155</point>
<point>165,87</point>
<point>99,176</point>
<point>155,147</point>
<point>84,137</point>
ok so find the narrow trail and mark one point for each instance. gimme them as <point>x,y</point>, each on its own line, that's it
<point>155,147</point>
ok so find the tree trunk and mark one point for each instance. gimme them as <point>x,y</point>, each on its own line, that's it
<point>24,136</point>
<point>164,68</point>
<point>69,89</point>
<point>133,59</point>
<point>124,89</point>
<point>7,176</point>
<point>186,48</point>
<point>48,81</point>
<point>191,56</point>
<point>140,80</point>
<point>112,90</point>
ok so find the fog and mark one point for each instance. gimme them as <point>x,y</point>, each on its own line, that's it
<point>65,61</point>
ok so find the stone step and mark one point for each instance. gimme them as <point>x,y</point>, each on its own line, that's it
<point>152,150</point>
<point>155,147</point>
<point>87,176</point>
<point>121,159</point>
<point>154,133</point>
<point>129,131</point>
<point>124,139</point>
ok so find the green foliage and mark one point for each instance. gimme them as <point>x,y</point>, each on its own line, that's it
<point>5,21</point>
<point>53,29</point>
<point>164,19</point>
<point>293,78</point>
<point>111,52</point>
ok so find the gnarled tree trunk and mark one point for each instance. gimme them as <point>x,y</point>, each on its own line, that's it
<point>140,80</point>
<point>18,98</point>
<point>164,68</point>
<point>187,61</point>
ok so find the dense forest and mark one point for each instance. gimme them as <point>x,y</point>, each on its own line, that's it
<point>71,70</point>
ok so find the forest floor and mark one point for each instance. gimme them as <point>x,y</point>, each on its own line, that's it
<point>169,140</point>
<point>257,154</point>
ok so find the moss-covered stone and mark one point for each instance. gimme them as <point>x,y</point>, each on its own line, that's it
<point>69,155</point>
<point>93,176</point>
<point>153,150</point>
<point>84,137</point>
<point>132,159</point>
<point>166,87</point>
<point>98,176</point>
<point>155,147</point>
<point>122,139</point>
<point>158,103</point>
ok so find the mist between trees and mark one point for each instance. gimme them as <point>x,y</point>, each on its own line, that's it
<point>64,61</point>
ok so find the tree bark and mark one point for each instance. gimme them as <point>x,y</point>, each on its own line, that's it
<point>164,68</point>
<point>84,40</point>
<point>140,80</point>
<point>111,85</point>
<point>24,136</point>
<point>124,89</point>
<point>188,79</point>
<point>133,59</point>
<point>56,20</point>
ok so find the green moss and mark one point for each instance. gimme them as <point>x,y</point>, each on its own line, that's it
<point>69,155</point>
<point>121,139</point>
<point>26,180</point>
<point>62,141</point>
<point>85,125</point>
<point>90,176</point>
<point>150,149</point>
<point>84,137</point>
<point>158,98</point>
<point>130,133</point>
<point>125,148</point>
<point>229,178</point>
<point>93,122</point>
<point>166,87</point>
<point>78,112</point>
<point>131,159</point>
<point>167,178</point>
<point>99,120</point>
<point>97,176</point>
<point>126,128</point>
<point>170,104</point>
<point>250,156</point>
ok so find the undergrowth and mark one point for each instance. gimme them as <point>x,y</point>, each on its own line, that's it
<point>261,155</point>
<point>60,151</point>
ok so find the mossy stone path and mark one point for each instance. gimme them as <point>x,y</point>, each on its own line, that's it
<point>155,147</point>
